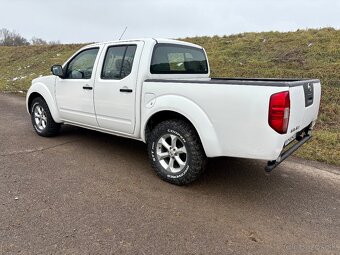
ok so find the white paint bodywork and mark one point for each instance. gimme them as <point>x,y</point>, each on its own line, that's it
<point>231,119</point>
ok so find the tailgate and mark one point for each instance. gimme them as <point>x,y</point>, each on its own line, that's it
<point>304,105</point>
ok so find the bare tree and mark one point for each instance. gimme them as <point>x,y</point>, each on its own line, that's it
<point>54,42</point>
<point>11,38</point>
<point>8,38</point>
<point>38,41</point>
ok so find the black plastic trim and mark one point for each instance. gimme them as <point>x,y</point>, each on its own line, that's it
<point>244,81</point>
<point>285,154</point>
<point>126,90</point>
<point>308,88</point>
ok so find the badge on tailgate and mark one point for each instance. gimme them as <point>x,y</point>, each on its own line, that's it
<point>291,139</point>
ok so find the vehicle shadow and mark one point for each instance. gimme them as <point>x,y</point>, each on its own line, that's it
<point>245,174</point>
<point>230,182</point>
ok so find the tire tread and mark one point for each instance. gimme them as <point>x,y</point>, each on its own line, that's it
<point>52,128</point>
<point>198,157</point>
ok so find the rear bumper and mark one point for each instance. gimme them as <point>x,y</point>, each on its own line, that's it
<point>301,138</point>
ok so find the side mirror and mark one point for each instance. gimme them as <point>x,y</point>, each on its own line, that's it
<point>57,70</point>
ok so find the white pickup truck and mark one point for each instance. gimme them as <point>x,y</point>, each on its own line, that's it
<point>159,91</point>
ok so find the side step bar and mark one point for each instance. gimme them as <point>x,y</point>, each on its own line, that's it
<point>272,164</point>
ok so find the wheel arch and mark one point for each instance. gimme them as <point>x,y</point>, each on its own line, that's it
<point>161,116</point>
<point>198,120</point>
<point>31,97</point>
<point>40,90</point>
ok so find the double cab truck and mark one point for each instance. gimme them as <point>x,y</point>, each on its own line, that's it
<point>159,91</point>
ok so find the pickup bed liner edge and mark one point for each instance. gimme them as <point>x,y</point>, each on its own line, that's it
<point>246,81</point>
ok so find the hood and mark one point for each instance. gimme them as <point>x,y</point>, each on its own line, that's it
<point>45,79</point>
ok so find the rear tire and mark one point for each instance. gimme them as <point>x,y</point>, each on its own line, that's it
<point>176,152</point>
<point>42,120</point>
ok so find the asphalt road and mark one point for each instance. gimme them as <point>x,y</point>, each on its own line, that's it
<point>85,192</point>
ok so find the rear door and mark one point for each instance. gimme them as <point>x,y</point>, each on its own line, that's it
<point>74,92</point>
<point>115,87</point>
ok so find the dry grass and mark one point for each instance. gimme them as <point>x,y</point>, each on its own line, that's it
<point>313,53</point>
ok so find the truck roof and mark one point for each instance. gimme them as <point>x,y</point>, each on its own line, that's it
<point>158,40</point>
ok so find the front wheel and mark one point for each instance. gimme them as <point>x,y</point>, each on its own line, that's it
<point>42,120</point>
<point>176,152</point>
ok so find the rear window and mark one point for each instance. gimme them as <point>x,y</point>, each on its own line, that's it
<point>178,59</point>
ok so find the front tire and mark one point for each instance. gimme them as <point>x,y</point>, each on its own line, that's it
<point>176,152</point>
<point>42,120</point>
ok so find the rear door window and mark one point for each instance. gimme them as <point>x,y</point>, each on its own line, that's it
<point>118,62</point>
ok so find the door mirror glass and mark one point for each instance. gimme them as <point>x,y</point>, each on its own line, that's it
<point>57,70</point>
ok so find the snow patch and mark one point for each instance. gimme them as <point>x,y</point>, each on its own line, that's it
<point>19,78</point>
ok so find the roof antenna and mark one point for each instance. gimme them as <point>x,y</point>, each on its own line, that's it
<point>122,34</point>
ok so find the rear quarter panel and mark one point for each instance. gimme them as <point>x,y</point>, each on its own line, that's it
<point>233,118</point>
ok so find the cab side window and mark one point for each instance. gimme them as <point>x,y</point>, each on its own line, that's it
<point>81,66</point>
<point>178,59</point>
<point>118,62</point>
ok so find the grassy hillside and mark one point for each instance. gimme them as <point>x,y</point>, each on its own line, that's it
<point>19,65</point>
<point>302,54</point>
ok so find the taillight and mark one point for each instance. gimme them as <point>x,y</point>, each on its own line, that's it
<point>279,108</point>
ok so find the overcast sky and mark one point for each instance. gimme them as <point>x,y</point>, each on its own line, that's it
<point>90,21</point>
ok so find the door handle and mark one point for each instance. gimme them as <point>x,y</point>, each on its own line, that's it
<point>125,90</point>
<point>87,87</point>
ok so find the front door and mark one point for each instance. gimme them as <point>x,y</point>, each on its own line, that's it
<point>74,92</point>
<point>115,87</point>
